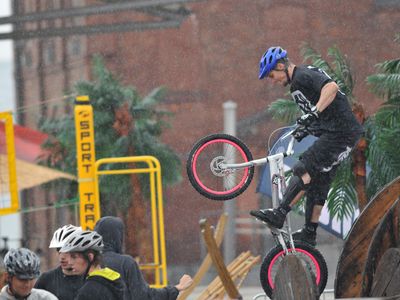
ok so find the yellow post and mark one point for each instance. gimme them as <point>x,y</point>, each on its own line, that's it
<point>85,156</point>
<point>159,265</point>
<point>11,159</point>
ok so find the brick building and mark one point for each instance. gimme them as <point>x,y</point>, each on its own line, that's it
<point>210,58</point>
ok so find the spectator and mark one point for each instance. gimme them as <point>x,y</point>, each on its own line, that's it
<point>112,231</point>
<point>61,281</point>
<point>22,267</point>
<point>85,249</point>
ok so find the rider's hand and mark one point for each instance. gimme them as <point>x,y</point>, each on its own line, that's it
<point>300,133</point>
<point>308,119</point>
<point>184,283</point>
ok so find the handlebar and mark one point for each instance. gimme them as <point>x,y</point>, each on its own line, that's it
<point>289,150</point>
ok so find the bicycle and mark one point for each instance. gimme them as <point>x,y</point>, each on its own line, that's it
<point>221,167</point>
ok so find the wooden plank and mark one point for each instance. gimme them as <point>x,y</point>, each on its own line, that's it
<point>218,235</point>
<point>237,269</point>
<point>218,261</point>
<point>294,281</point>
<point>384,278</point>
<point>383,239</point>
<point>216,287</point>
<point>351,263</point>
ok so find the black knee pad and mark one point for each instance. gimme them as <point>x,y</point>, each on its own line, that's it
<point>299,169</point>
<point>309,207</point>
<point>294,187</point>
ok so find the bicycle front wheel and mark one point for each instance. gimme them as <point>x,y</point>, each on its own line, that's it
<point>310,256</point>
<point>206,167</point>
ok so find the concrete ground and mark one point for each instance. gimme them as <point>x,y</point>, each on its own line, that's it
<point>248,293</point>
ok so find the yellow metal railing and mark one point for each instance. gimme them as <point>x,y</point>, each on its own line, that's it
<point>6,118</point>
<point>159,265</point>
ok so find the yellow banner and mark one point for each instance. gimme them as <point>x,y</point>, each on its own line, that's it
<point>11,177</point>
<point>85,155</point>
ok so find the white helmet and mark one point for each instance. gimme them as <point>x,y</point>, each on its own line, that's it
<point>61,235</point>
<point>81,241</point>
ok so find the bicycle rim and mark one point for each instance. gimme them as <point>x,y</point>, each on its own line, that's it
<point>206,175</point>
<point>310,257</point>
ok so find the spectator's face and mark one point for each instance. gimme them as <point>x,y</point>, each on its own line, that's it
<point>77,263</point>
<point>64,258</point>
<point>22,287</point>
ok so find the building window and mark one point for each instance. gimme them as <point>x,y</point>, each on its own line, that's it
<point>49,53</point>
<point>387,3</point>
<point>74,46</point>
<point>26,59</point>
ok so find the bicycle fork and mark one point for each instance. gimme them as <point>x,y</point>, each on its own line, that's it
<point>281,236</point>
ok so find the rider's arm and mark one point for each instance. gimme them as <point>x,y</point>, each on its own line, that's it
<point>328,94</point>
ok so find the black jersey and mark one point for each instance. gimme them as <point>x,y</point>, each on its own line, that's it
<point>64,287</point>
<point>103,284</point>
<point>306,86</point>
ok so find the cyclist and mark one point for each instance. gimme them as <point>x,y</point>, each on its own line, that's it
<point>61,281</point>
<point>85,256</point>
<point>326,115</point>
<point>22,267</point>
<point>112,231</point>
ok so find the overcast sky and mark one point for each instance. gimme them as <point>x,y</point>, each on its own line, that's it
<point>5,46</point>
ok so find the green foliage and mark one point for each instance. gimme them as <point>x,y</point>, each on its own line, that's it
<point>383,129</point>
<point>342,197</point>
<point>284,110</point>
<point>146,123</point>
<point>339,70</point>
<point>383,153</point>
<point>385,84</point>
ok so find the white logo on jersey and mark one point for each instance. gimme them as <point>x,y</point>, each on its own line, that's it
<point>302,101</point>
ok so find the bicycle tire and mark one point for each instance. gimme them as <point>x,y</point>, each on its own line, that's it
<point>310,256</point>
<point>211,181</point>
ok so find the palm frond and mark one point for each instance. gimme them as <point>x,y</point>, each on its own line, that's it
<point>343,73</point>
<point>385,85</point>
<point>309,54</point>
<point>342,197</point>
<point>284,110</point>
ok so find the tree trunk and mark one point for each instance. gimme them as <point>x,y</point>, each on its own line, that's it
<point>138,235</point>
<point>360,160</point>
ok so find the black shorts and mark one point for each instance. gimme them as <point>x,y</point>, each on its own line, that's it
<point>321,161</point>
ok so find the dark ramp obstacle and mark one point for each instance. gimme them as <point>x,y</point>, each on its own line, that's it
<point>352,263</point>
<point>294,280</point>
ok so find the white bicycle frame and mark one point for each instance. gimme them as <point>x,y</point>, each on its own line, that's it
<point>278,185</point>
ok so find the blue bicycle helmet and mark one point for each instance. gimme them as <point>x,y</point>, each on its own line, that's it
<point>269,59</point>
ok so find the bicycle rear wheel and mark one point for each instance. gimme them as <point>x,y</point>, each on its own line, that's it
<point>311,257</point>
<point>205,167</point>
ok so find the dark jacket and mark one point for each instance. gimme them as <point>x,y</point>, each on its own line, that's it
<point>112,231</point>
<point>103,284</point>
<point>57,283</point>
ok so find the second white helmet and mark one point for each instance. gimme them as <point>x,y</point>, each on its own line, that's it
<point>61,235</point>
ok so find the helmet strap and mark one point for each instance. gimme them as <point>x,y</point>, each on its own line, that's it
<point>86,255</point>
<point>289,80</point>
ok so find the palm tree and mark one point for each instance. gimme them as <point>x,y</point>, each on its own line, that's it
<point>125,125</point>
<point>383,129</point>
